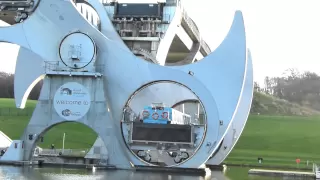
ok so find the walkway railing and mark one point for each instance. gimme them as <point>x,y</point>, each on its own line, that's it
<point>63,152</point>
<point>50,66</point>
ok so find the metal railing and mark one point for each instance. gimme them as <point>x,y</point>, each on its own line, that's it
<point>63,152</point>
<point>50,66</point>
<point>154,26</point>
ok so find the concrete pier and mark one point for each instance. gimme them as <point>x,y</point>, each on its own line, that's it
<point>281,173</point>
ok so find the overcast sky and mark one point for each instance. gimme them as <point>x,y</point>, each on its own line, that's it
<point>281,34</point>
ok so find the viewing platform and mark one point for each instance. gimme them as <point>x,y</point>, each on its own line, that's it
<point>56,68</point>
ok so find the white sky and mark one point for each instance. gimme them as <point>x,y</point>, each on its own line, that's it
<point>281,34</point>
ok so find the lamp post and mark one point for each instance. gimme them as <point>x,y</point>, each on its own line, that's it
<point>64,137</point>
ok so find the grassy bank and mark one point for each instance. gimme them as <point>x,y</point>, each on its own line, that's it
<point>278,139</point>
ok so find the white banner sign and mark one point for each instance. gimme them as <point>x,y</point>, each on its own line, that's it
<point>72,101</point>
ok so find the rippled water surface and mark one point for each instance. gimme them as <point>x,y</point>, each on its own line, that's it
<point>29,173</point>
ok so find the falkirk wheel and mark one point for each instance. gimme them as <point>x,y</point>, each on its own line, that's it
<point>91,77</point>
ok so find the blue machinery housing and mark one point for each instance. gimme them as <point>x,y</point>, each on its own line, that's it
<point>163,124</point>
<point>159,114</point>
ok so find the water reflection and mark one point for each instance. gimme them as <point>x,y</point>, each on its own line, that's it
<point>32,173</point>
<point>26,173</point>
<point>117,175</point>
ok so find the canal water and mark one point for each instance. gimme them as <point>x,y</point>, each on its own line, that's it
<point>29,173</point>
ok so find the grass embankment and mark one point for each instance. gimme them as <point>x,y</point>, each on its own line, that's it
<point>278,139</point>
<point>13,122</point>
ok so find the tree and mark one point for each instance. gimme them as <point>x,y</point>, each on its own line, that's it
<point>7,87</point>
<point>301,88</point>
<point>267,85</point>
<point>257,87</point>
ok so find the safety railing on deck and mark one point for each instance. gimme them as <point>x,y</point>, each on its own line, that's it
<point>51,66</point>
<point>63,152</point>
